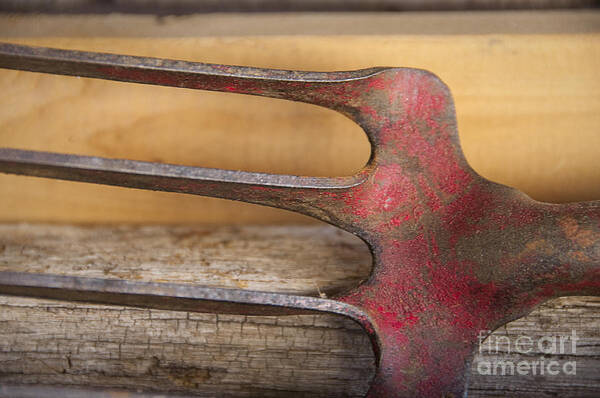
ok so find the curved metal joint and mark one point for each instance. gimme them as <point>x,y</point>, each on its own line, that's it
<point>391,104</point>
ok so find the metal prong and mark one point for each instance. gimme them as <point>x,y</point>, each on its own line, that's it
<point>294,85</point>
<point>301,194</point>
<point>170,296</point>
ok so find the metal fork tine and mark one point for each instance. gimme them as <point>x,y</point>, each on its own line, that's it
<point>293,85</point>
<point>302,194</point>
<point>170,296</point>
<point>169,176</point>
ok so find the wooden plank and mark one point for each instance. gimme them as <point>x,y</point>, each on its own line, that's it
<point>528,109</point>
<point>294,24</point>
<point>249,257</point>
<point>69,344</point>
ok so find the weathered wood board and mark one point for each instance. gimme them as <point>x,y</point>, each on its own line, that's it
<point>51,342</point>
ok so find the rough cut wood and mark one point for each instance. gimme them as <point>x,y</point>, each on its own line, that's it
<point>61,343</point>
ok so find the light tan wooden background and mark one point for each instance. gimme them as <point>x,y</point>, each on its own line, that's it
<point>527,95</point>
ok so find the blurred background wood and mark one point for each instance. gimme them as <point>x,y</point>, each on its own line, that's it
<point>528,107</point>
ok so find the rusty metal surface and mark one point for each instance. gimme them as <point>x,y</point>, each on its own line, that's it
<point>453,253</point>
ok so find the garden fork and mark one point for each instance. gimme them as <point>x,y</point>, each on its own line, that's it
<point>453,253</point>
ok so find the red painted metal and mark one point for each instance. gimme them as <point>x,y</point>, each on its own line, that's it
<point>454,254</point>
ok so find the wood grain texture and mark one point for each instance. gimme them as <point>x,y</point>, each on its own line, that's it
<point>301,260</point>
<point>295,24</point>
<point>70,344</point>
<point>528,108</point>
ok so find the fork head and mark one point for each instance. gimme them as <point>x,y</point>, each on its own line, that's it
<point>453,253</point>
